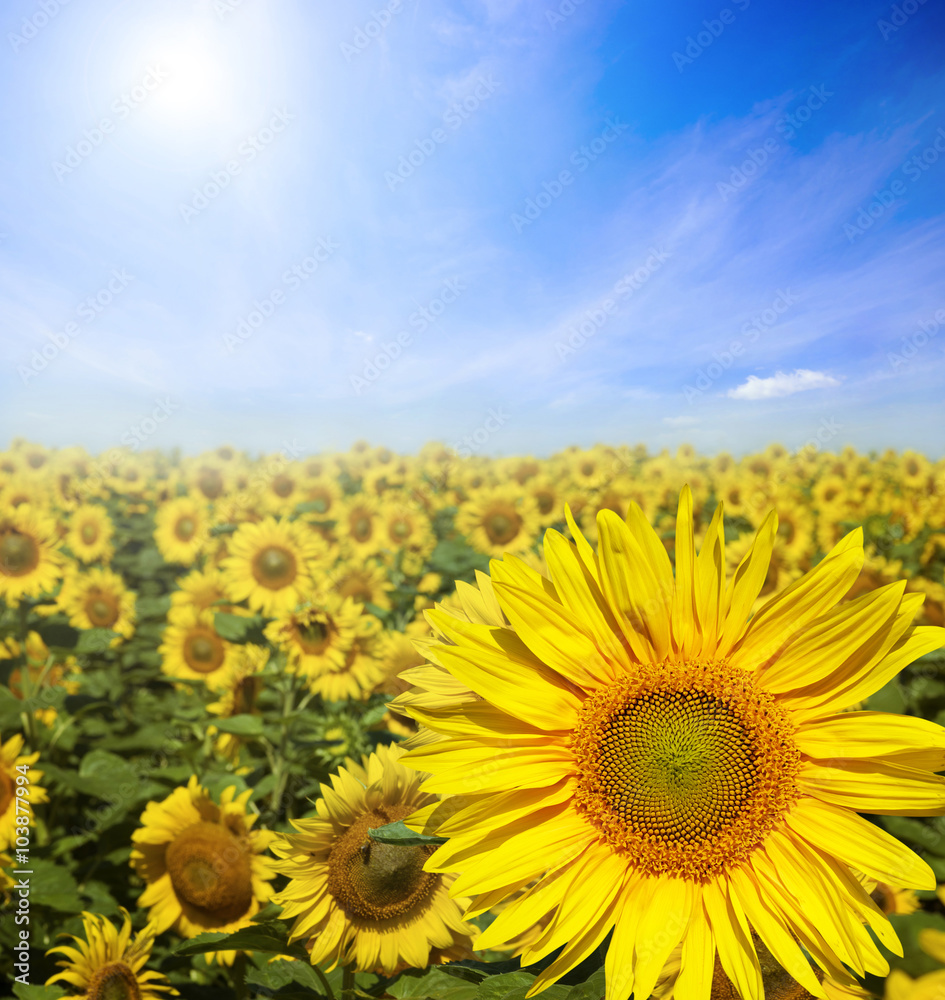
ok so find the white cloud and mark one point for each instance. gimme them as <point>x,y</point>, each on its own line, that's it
<point>781,384</point>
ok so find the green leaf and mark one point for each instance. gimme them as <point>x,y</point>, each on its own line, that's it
<point>240,725</point>
<point>153,607</point>
<point>270,938</point>
<point>594,989</point>
<point>95,640</point>
<point>59,635</point>
<point>311,507</point>
<point>275,975</point>
<point>10,709</point>
<point>914,960</point>
<point>514,986</point>
<point>223,529</point>
<point>399,833</point>
<point>38,992</point>
<point>432,983</point>
<point>52,885</point>
<point>233,628</point>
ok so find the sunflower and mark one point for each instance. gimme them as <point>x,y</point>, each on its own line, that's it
<point>42,674</point>
<point>323,496</point>
<point>407,531</point>
<point>359,526</point>
<point>675,772</point>
<point>108,964</point>
<point>358,901</point>
<point>360,670</point>
<point>192,649</point>
<point>181,529</point>
<point>30,563</point>
<point>17,774</point>
<point>202,589</point>
<point>98,598</point>
<point>89,537</point>
<point>271,564</point>
<point>499,520</point>
<point>202,862</point>
<point>367,583</point>
<point>238,687</point>
<point>317,636</point>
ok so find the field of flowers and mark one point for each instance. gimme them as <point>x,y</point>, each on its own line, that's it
<point>213,669</point>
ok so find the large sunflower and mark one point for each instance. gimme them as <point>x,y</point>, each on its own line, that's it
<point>271,563</point>
<point>30,563</point>
<point>108,964</point>
<point>181,529</point>
<point>12,782</point>
<point>192,649</point>
<point>98,598</point>
<point>670,770</point>
<point>359,901</point>
<point>202,862</point>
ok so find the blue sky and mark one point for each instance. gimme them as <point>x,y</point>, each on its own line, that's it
<point>289,222</point>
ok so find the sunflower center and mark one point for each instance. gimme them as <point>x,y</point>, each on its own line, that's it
<point>313,636</point>
<point>361,528</point>
<point>102,610</point>
<point>377,881</point>
<point>210,483</point>
<point>19,554</point>
<point>282,486</point>
<point>89,533</point>
<point>204,652</point>
<point>274,567</point>
<point>114,981</point>
<point>185,528</point>
<point>210,869</point>
<point>399,530</point>
<point>688,768</point>
<point>502,526</point>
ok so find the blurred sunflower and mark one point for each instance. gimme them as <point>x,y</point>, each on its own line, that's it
<point>108,964</point>
<point>359,526</point>
<point>675,771</point>
<point>89,537</point>
<point>42,674</point>
<point>499,520</point>
<point>202,862</point>
<point>30,563</point>
<point>271,563</point>
<point>358,901</point>
<point>238,688</point>
<point>366,583</point>
<point>98,598</point>
<point>203,589</point>
<point>10,760</point>
<point>193,650</point>
<point>181,529</point>
<point>317,636</point>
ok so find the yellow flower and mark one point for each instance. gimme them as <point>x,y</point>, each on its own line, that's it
<point>499,520</point>
<point>181,529</point>
<point>317,636</point>
<point>17,774</point>
<point>89,537</point>
<point>367,583</point>
<point>674,771</point>
<point>271,564</point>
<point>192,650</point>
<point>202,862</point>
<point>239,686</point>
<point>98,598</point>
<point>30,563</point>
<point>108,964</point>
<point>355,900</point>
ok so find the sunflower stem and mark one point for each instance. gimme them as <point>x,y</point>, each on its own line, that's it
<point>238,973</point>
<point>347,983</point>
<point>329,992</point>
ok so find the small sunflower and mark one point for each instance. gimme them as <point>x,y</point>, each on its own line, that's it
<point>98,598</point>
<point>12,783</point>
<point>192,649</point>
<point>499,520</point>
<point>271,564</point>
<point>359,526</point>
<point>202,589</point>
<point>367,583</point>
<point>181,528</point>
<point>30,563</point>
<point>108,964</point>
<point>360,671</point>
<point>238,688</point>
<point>317,636</point>
<point>42,673</point>
<point>89,537</point>
<point>202,862</point>
<point>355,900</point>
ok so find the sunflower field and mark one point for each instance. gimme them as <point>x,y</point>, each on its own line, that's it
<point>373,725</point>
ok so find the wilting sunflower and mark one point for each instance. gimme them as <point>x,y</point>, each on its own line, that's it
<point>499,520</point>
<point>271,563</point>
<point>98,598</point>
<point>317,636</point>
<point>181,529</point>
<point>108,964</point>
<point>203,863</point>
<point>30,563</point>
<point>193,650</point>
<point>89,537</point>
<point>10,782</point>
<point>671,770</point>
<point>355,900</point>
